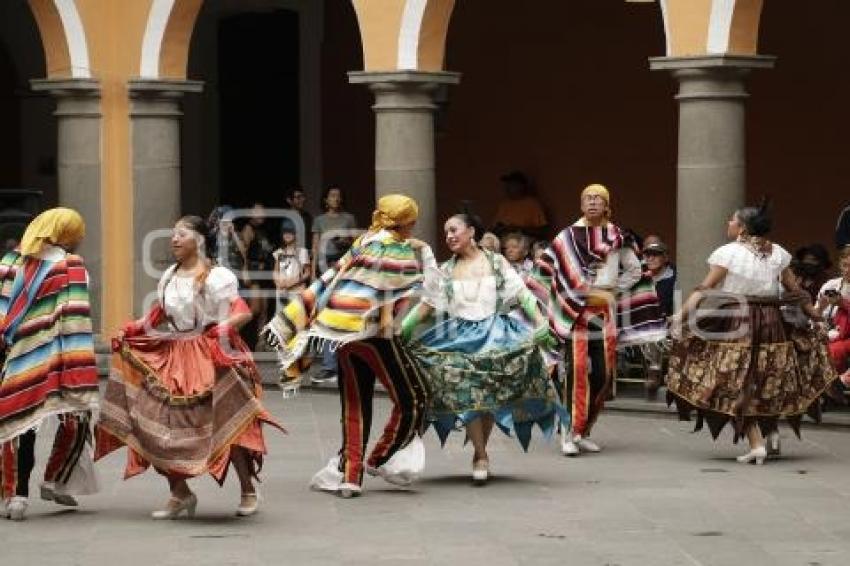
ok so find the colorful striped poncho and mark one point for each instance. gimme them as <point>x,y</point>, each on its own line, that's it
<point>560,283</point>
<point>49,364</point>
<point>344,304</point>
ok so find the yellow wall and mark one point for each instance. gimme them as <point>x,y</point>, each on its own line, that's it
<point>114,34</point>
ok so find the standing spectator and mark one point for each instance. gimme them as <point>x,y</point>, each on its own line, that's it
<point>842,229</point>
<point>326,254</point>
<point>834,304</point>
<point>515,248</point>
<point>296,198</point>
<point>811,266</point>
<point>257,272</point>
<point>520,211</point>
<point>334,219</point>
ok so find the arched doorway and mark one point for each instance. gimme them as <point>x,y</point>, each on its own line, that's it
<point>28,144</point>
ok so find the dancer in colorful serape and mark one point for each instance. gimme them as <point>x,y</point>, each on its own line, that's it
<point>352,307</point>
<point>597,299</point>
<point>186,398</point>
<point>740,356</point>
<point>48,362</point>
<point>480,355</point>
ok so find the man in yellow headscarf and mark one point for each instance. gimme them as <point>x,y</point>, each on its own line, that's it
<point>351,307</point>
<point>592,282</point>
<point>48,362</point>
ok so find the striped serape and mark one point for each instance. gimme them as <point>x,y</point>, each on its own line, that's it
<point>48,365</point>
<point>345,303</point>
<point>560,282</point>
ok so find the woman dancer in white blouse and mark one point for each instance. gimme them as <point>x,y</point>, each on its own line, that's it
<point>185,398</point>
<point>481,357</point>
<point>740,361</point>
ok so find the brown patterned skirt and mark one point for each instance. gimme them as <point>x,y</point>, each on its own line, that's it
<point>743,363</point>
<point>181,404</point>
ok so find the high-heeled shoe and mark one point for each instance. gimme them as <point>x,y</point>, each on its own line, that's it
<point>754,456</point>
<point>249,504</point>
<point>175,507</point>
<point>480,471</point>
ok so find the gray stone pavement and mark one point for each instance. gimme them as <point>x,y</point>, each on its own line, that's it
<point>658,495</point>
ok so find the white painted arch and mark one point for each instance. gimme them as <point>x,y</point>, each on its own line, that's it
<point>75,36</point>
<point>154,35</point>
<point>409,33</point>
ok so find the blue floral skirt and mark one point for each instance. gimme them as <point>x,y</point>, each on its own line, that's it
<point>487,367</point>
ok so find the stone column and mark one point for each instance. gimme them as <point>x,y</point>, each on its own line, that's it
<point>711,180</point>
<point>404,137</point>
<point>155,137</point>
<point>78,116</point>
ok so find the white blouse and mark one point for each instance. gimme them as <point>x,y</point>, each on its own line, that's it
<point>190,310</point>
<point>749,273</point>
<point>472,299</point>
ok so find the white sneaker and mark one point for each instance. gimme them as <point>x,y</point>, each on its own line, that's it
<point>16,508</point>
<point>587,445</point>
<point>349,490</point>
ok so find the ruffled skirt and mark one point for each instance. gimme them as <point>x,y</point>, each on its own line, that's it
<point>487,367</point>
<point>749,366</point>
<point>181,403</point>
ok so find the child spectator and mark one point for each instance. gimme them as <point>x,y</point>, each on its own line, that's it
<point>291,270</point>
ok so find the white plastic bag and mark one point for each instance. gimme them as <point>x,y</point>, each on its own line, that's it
<point>83,479</point>
<point>409,462</point>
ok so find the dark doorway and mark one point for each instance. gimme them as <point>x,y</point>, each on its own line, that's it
<point>10,118</point>
<point>259,106</point>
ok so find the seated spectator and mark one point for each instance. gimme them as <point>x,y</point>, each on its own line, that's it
<point>656,259</point>
<point>538,248</point>
<point>834,304</point>
<point>842,229</point>
<point>520,211</point>
<point>811,265</point>
<point>515,250</point>
<point>490,241</point>
<point>663,273</point>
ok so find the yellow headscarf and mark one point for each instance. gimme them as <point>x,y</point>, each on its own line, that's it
<point>394,211</point>
<point>599,191</point>
<point>59,226</point>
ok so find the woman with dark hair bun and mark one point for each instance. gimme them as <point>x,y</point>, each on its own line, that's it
<point>193,379</point>
<point>747,365</point>
<point>482,356</point>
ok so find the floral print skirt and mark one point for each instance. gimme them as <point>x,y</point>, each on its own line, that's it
<point>490,366</point>
<point>749,365</point>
